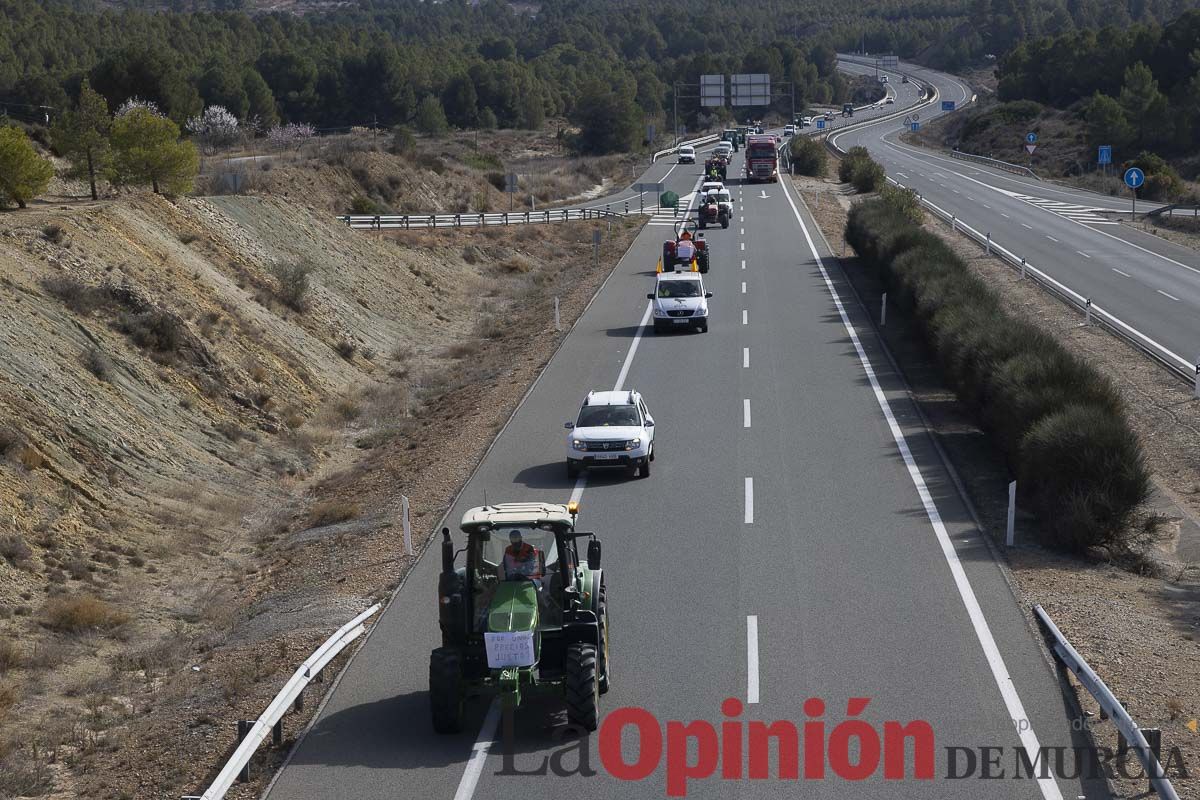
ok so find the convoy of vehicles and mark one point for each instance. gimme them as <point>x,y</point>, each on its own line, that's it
<point>523,615</point>
<point>680,302</point>
<point>762,159</point>
<point>716,205</point>
<point>614,429</point>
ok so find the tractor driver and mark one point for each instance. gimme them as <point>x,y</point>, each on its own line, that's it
<point>685,248</point>
<point>521,559</point>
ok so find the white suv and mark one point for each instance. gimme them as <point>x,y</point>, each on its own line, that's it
<point>680,302</point>
<point>614,429</point>
<point>789,130</point>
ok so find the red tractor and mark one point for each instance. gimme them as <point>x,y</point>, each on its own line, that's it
<point>688,245</point>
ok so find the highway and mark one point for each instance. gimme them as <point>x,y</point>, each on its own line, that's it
<point>1070,234</point>
<point>798,539</point>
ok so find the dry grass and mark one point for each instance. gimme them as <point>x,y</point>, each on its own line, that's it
<point>331,512</point>
<point>14,550</point>
<point>11,656</point>
<point>82,614</point>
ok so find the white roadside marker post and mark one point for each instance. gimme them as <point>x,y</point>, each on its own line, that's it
<point>1012,514</point>
<point>883,311</point>
<point>407,523</point>
<point>557,322</point>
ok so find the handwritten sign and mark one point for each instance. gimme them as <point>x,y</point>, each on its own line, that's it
<point>509,649</point>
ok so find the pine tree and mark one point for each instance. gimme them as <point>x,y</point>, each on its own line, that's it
<point>147,150</point>
<point>23,173</point>
<point>81,136</point>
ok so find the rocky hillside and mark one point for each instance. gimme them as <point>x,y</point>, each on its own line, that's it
<point>179,382</point>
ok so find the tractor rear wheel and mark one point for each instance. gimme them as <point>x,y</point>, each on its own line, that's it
<point>605,662</point>
<point>583,687</point>
<point>446,696</point>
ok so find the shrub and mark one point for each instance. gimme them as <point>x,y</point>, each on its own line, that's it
<point>1060,424</point>
<point>154,330</point>
<point>902,201</point>
<point>10,656</point>
<point>868,176</point>
<point>361,204</point>
<point>850,162</point>
<point>97,363</point>
<point>403,141</point>
<point>81,614</point>
<point>53,233</point>
<point>808,155</point>
<point>14,550</point>
<point>292,277</point>
<point>75,295</point>
<point>346,349</point>
<point>332,512</point>
<point>9,439</point>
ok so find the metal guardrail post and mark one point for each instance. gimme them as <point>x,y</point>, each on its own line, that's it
<point>505,217</point>
<point>1087,309</point>
<point>243,730</point>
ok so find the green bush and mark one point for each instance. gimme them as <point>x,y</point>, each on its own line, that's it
<point>808,155</point>
<point>361,204</point>
<point>902,201</point>
<point>850,163</point>
<point>1060,424</point>
<point>869,176</point>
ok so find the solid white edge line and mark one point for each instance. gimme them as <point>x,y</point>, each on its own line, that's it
<point>751,659</point>
<point>748,518</point>
<point>633,346</point>
<point>746,413</point>
<point>479,753</point>
<point>1012,701</point>
<point>745,358</point>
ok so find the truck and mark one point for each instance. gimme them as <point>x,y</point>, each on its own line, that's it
<point>762,159</point>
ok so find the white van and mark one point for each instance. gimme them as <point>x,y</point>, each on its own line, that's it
<point>687,154</point>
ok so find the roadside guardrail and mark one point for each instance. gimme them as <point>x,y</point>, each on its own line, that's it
<point>1146,743</point>
<point>1169,211</point>
<point>423,221</point>
<point>292,694</point>
<point>712,137</point>
<point>993,162</point>
<point>1178,365</point>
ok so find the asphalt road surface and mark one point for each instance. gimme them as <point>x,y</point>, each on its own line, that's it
<point>798,539</point>
<point>1072,235</point>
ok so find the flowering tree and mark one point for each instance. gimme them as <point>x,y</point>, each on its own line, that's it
<point>292,135</point>
<point>137,102</point>
<point>214,127</point>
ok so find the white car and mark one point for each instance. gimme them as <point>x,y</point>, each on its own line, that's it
<point>613,429</point>
<point>679,302</point>
<point>724,149</point>
<point>887,101</point>
<point>687,154</point>
<point>789,130</point>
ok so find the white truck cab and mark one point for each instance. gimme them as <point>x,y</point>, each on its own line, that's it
<point>613,429</point>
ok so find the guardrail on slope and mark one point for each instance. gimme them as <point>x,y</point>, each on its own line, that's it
<point>1123,330</point>
<point>424,221</point>
<point>712,137</point>
<point>271,721</point>
<point>993,162</point>
<point>1128,731</point>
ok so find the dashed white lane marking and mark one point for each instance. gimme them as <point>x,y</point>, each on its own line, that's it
<point>751,659</point>
<point>1027,226</point>
<point>902,175</point>
<point>745,317</point>
<point>743,287</point>
<point>743,245</point>
<point>1051,238</point>
<point>1006,216</point>
<point>1085,255</point>
<point>985,205</point>
<point>1165,294</point>
<point>749,516</point>
<point>746,413</point>
<point>743,263</point>
<point>1126,274</point>
<point>983,633</point>
<point>745,358</point>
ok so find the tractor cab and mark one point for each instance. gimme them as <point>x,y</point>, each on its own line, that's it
<point>524,612</point>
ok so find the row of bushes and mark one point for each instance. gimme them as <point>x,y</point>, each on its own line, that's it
<point>859,169</point>
<point>1060,424</point>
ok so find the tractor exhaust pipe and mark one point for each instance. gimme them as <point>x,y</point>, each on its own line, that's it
<point>447,551</point>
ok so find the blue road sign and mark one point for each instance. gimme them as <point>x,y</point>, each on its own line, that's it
<point>820,124</point>
<point>1031,137</point>
<point>1134,177</point>
<point>1105,154</point>
<point>916,126</point>
<point>947,105</point>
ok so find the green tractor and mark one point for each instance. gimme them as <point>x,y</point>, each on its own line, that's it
<point>523,615</point>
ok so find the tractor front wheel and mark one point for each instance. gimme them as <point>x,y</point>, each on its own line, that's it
<point>583,687</point>
<point>446,697</point>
